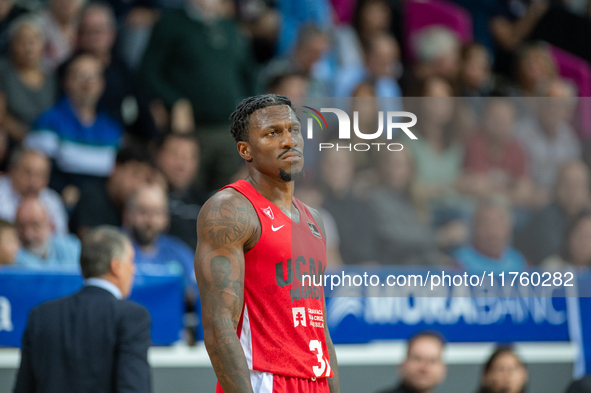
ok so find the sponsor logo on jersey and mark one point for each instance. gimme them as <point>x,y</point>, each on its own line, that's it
<point>299,316</point>
<point>290,273</point>
<point>314,230</point>
<point>276,229</point>
<point>268,211</point>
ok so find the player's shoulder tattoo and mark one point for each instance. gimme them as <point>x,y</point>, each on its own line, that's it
<point>228,217</point>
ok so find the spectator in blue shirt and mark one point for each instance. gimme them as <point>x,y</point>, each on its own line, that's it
<point>40,246</point>
<point>146,218</point>
<point>490,249</point>
<point>80,139</point>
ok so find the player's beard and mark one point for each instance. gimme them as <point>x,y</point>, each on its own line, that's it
<point>291,176</point>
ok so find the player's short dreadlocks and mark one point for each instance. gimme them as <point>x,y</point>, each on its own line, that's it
<point>241,116</point>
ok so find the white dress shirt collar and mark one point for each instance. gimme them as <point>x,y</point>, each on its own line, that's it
<point>106,285</point>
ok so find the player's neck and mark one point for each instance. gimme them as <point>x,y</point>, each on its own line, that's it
<point>277,191</point>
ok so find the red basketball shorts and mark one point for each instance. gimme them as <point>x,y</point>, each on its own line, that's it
<point>269,383</point>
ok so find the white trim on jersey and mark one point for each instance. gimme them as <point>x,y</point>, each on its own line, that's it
<point>262,382</point>
<point>246,338</point>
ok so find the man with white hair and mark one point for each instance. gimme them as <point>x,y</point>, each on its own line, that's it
<point>41,248</point>
<point>437,50</point>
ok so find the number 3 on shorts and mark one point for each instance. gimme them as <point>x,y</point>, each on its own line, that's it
<point>324,364</point>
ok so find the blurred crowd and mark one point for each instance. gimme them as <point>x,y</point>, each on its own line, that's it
<point>495,184</point>
<point>117,113</point>
<point>424,369</point>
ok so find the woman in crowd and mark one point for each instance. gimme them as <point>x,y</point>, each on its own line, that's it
<point>504,372</point>
<point>27,89</point>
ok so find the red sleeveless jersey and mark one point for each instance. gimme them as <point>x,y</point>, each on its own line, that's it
<point>281,328</point>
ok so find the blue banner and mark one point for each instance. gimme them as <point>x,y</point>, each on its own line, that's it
<point>462,313</point>
<point>155,287</point>
<point>459,319</point>
<point>585,325</point>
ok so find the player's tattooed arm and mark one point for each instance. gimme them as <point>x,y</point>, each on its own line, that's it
<point>226,224</point>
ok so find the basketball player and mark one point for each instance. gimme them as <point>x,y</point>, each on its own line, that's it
<point>264,326</point>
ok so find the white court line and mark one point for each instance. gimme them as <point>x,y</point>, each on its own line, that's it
<point>377,353</point>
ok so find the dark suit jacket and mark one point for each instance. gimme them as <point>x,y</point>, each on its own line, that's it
<point>580,386</point>
<point>86,342</point>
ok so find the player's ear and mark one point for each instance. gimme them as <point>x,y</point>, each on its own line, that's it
<point>244,151</point>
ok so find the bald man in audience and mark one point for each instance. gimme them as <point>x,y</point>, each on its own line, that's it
<point>42,248</point>
<point>28,176</point>
<point>146,219</point>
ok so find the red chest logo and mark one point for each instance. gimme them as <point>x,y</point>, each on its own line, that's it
<point>268,211</point>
